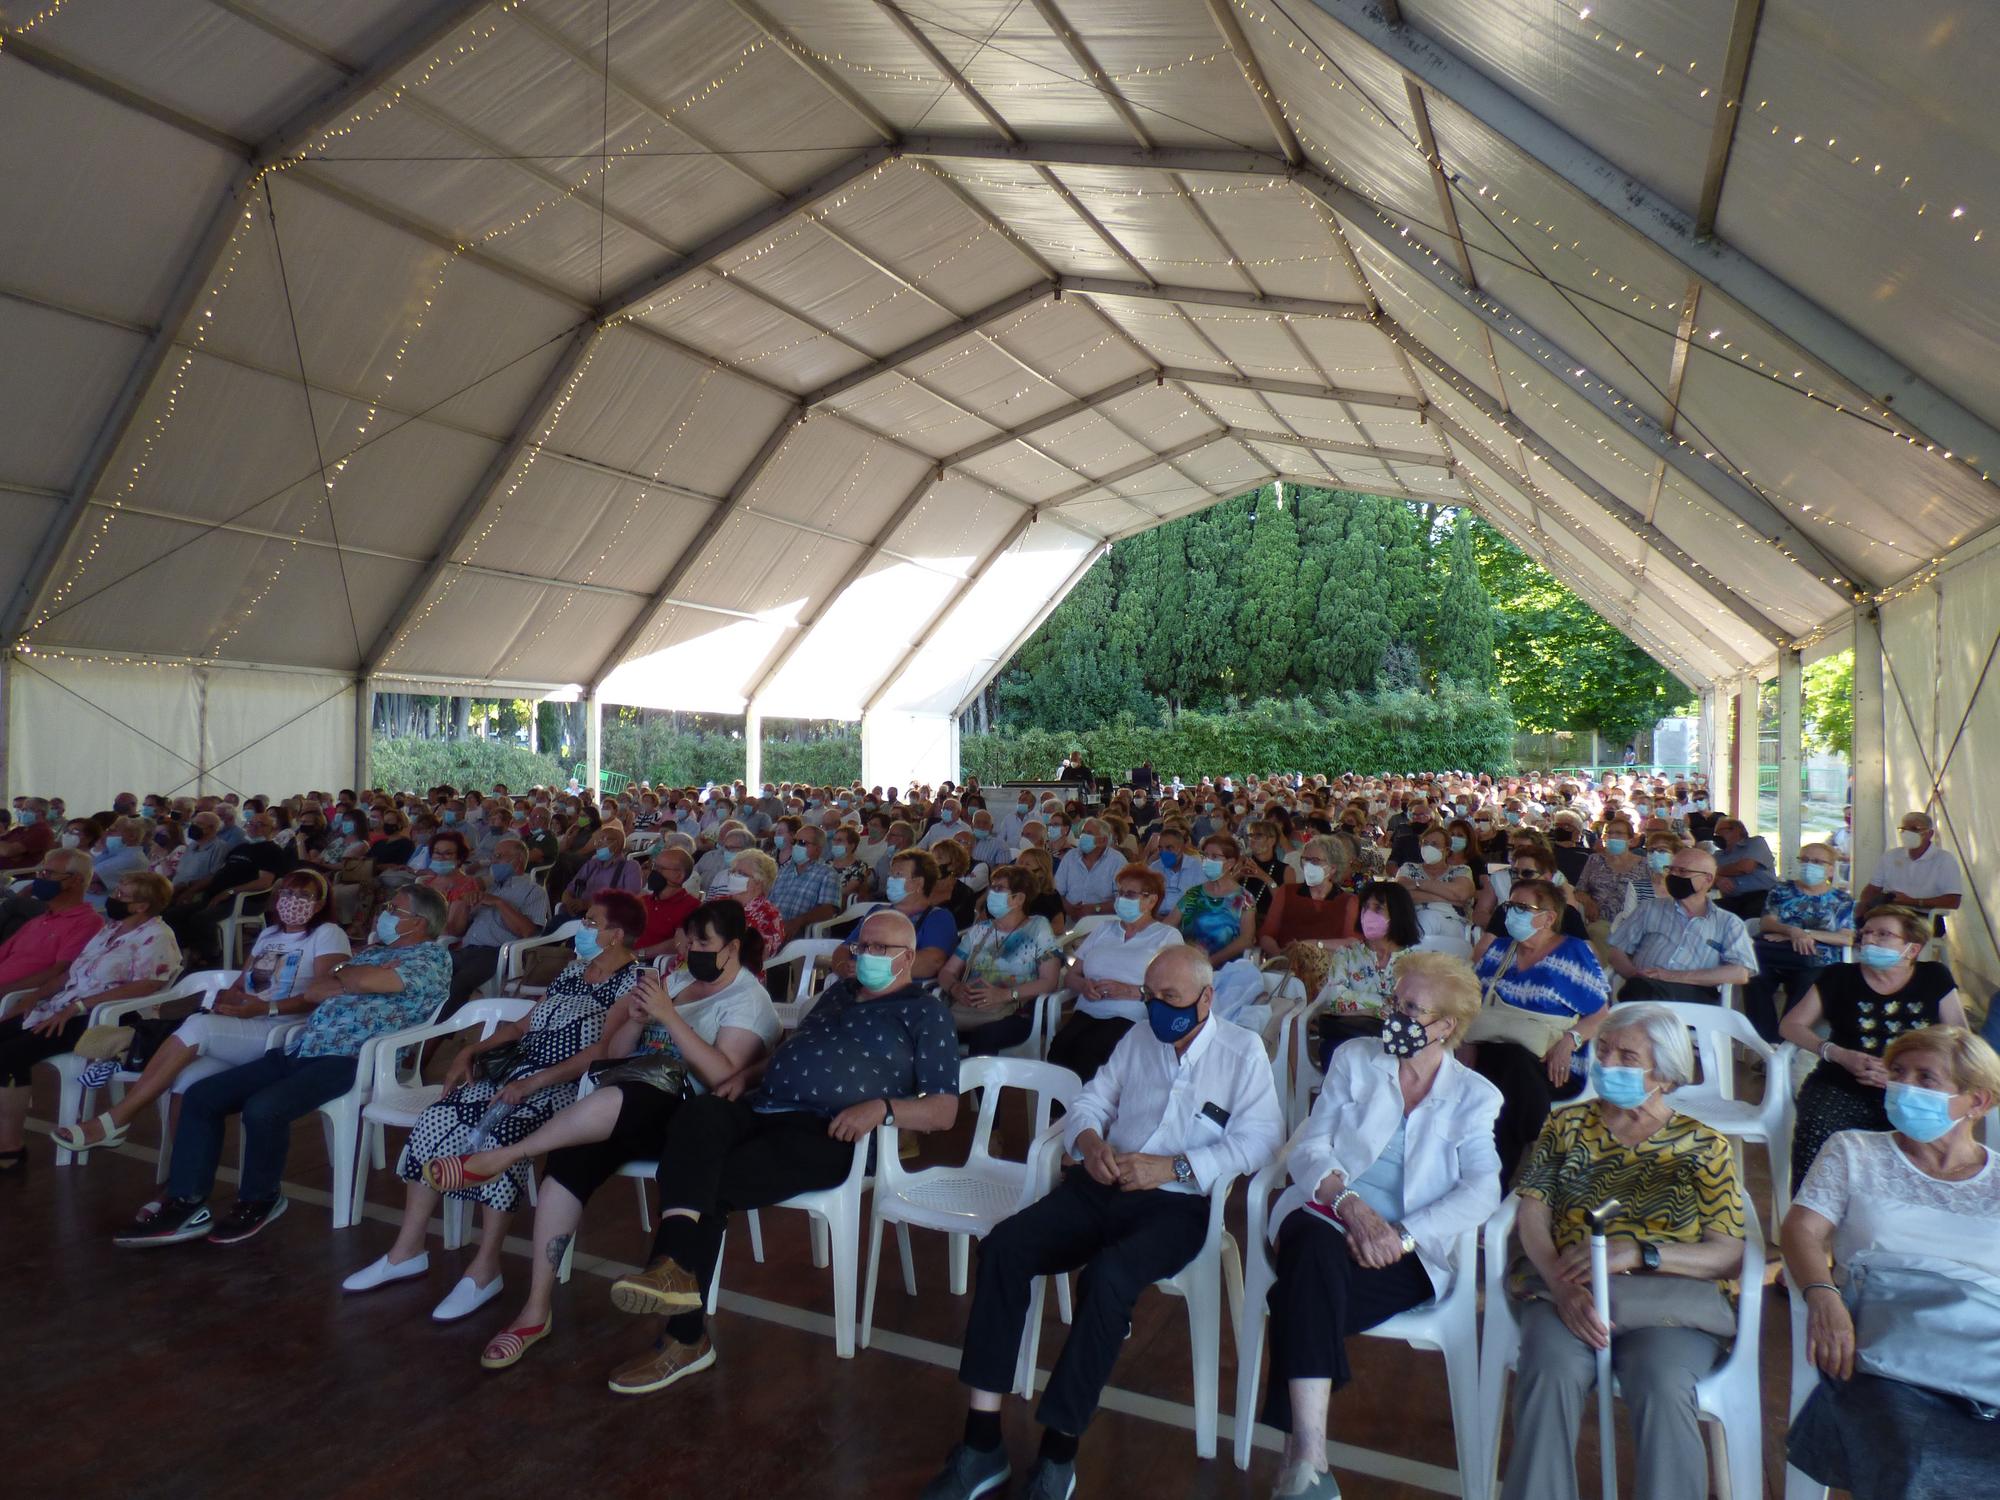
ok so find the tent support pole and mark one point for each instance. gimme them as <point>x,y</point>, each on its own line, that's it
<point>1749,717</point>
<point>1791,758</point>
<point>593,742</point>
<point>364,732</point>
<point>1869,758</point>
<point>753,746</point>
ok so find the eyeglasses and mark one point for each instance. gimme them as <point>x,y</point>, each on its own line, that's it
<point>1682,870</point>
<point>882,950</point>
<point>1413,1012</point>
<point>1517,906</point>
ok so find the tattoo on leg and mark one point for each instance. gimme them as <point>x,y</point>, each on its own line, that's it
<point>558,1246</point>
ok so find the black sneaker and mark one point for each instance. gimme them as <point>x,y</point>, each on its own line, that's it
<point>169,1223</point>
<point>245,1219</point>
<point>969,1473</point>
<point>1049,1480</point>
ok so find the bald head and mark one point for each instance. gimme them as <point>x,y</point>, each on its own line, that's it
<point>889,935</point>
<point>1182,981</point>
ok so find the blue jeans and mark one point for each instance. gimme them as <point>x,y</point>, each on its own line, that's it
<point>270,1093</point>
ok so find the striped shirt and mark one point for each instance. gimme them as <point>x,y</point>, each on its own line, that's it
<point>1567,981</point>
<point>1661,935</point>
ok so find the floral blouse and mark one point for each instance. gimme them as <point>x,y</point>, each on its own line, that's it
<point>338,1027</point>
<point>1213,922</point>
<point>1832,910</point>
<point>109,959</point>
<point>1006,959</point>
<point>1356,985</point>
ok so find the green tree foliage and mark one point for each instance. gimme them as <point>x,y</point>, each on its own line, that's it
<point>1461,635</point>
<point>1215,541</point>
<point>1829,703</point>
<point>1076,665</point>
<point>1352,627</point>
<point>415,765</point>
<point>1563,666</point>
<point>1265,623</point>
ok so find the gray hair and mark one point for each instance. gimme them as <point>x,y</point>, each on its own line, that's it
<point>1673,1053</point>
<point>80,863</point>
<point>427,906</point>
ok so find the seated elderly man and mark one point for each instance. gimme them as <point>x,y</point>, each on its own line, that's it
<point>254,865</point>
<point>30,838</point>
<point>1686,947</point>
<point>808,888</point>
<point>398,982</point>
<point>1745,869</point>
<point>204,853</point>
<point>877,1049</point>
<point>41,949</point>
<point>1921,874</point>
<point>1183,1104</point>
<point>1087,877</point>
<point>512,905</point>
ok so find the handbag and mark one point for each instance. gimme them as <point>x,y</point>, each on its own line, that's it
<point>656,1070</point>
<point>1498,1021</point>
<point>498,1064</point>
<point>1643,1301</point>
<point>1928,1322</point>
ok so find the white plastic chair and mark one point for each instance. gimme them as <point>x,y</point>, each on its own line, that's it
<point>396,1101</point>
<point>1713,1101</point>
<point>239,919</point>
<point>806,953</point>
<point>967,1201</point>
<point>1727,1397</point>
<point>74,1102</point>
<point>1450,1326</point>
<point>1215,1271</point>
<point>507,973</point>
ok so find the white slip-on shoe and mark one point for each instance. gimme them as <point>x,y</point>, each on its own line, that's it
<point>465,1298</point>
<point>381,1273</point>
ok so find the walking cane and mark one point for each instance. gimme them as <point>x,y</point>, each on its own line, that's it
<point>1600,1291</point>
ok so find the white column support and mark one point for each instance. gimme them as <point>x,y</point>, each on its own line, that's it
<point>1722,755</point>
<point>1791,758</point>
<point>1870,759</point>
<point>1704,756</point>
<point>753,746</point>
<point>1745,778</point>
<point>593,741</point>
<point>364,732</point>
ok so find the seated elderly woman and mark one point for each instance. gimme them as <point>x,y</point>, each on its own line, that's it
<point>1440,881</point>
<point>1108,974</point>
<point>604,867</point>
<point>450,876</point>
<point>1614,876</point>
<point>499,1091</point>
<point>953,893</point>
<point>399,981</point>
<point>1679,1223</point>
<point>1806,921</point>
<point>1218,916</point>
<point>1039,868</point>
<point>1320,906</point>
<point>1362,977</point>
<point>131,955</point>
<point>747,881</point>
<point>120,851</point>
<point>300,943</point>
<point>999,968</point>
<point>1548,997</point>
<point>1865,1006</point>
<point>1395,1164</point>
<point>1908,1216</point>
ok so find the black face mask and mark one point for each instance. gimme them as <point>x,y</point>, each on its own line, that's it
<point>656,882</point>
<point>1680,887</point>
<point>706,967</point>
<point>117,910</point>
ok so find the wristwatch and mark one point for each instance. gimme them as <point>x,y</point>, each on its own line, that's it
<point>888,1112</point>
<point>1649,1256</point>
<point>1183,1170</point>
<point>1409,1240</point>
<point>1575,1040</point>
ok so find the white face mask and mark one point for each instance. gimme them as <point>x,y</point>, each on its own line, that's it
<point>1912,838</point>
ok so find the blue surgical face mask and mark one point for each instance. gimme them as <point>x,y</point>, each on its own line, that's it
<point>387,928</point>
<point>1458,843</point>
<point>1512,816</point>
<point>1127,908</point>
<point>450,816</point>
<point>1617,846</point>
<point>1812,872</point>
<point>27,817</point>
<point>1624,1087</point>
<point>1520,924</point>
<point>874,971</point>
<point>997,903</point>
<point>801,855</point>
<point>588,943</point>
<point>443,866</point>
<point>347,825</point>
<point>1920,1114</point>
<point>113,843</point>
<point>1087,842</point>
<point>603,855</point>
<point>779,840</point>
<point>1169,1022</point>
<point>896,888</point>
<point>502,873</point>
<point>838,851</point>
<point>1170,859</point>
<point>1659,859</point>
<point>1211,869</point>
<point>1879,955</point>
<point>947,816</point>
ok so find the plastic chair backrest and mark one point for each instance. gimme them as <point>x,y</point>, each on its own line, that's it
<point>993,1076</point>
<point>1083,927</point>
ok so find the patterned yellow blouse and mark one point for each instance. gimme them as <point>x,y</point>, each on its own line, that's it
<point>1675,1186</point>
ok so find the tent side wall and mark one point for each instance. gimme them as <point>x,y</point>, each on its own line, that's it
<point>85,728</point>
<point>908,749</point>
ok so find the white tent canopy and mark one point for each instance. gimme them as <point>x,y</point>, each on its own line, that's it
<point>793,356</point>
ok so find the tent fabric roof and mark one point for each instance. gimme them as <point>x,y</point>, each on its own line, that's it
<point>800,352</point>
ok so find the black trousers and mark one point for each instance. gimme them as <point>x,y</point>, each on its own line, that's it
<point>1324,1296</point>
<point>721,1157</point>
<point>1669,989</point>
<point>1083,1044</point>
<point>639,1134</point>
<point>470,968</point>
<point>1525,1098</point>
<point>21,1049</point>
<point>1778,964</point>
<point>1123,1242</point>
<point>1749,906</point>
<point>994,1037</point>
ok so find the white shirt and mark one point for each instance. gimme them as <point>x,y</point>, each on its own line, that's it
<point>1108,954</point>
<point>1933,873</point>
<point>1873,1194</point>
<point>1150,1099</point>
<point>1089,885</point>
<point>1451,1171</point>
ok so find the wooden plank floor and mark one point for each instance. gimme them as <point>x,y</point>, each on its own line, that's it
<point>202,1370</point>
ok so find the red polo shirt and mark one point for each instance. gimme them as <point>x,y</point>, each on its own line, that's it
<point>55,937</point>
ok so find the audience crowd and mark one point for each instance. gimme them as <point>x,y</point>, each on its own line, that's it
<point>1489,972</point>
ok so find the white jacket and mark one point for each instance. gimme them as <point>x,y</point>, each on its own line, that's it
<point>1451,1171</point>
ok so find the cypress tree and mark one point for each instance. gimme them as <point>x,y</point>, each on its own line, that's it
<point>1265,626</point>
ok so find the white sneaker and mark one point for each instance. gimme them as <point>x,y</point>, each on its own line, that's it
<point>381,1273</point>
<point>465,1298</point>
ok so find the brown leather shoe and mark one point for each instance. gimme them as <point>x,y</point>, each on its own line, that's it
<point>662,1287</point>
<point>660,1366</point>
